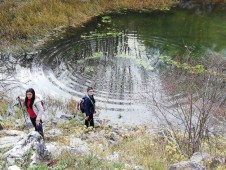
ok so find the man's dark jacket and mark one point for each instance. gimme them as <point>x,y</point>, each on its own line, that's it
<point>88,106</point>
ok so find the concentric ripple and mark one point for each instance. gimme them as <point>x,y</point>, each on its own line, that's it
<point>119,68</point>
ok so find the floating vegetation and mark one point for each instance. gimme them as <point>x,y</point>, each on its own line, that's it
<point>89,69</point>
<point>94,56</point>
<point>110,31</point>
<point>106,19</point>
<point>197,69</point>
<point>101,35</point>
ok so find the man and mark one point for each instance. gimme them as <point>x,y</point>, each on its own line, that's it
<point>89,107</point>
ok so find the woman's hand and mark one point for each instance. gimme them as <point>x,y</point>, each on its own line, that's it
<point>37,122</point>
<point>87,117</point>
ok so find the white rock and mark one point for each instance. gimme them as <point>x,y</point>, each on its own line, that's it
<point>12,133</point>
<point>14,167</point>
<point>8,141</point>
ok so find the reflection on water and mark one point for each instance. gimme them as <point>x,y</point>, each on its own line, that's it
<point>117,68</point>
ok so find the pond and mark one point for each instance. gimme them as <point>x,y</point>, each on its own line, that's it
<point>118,55</point>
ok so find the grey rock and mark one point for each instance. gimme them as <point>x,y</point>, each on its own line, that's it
<point>77,118</point>
<point>95,136</point>
<point>113,136</point>
<point>41,153</point>
<point>97,123</point>
<point>99,120</point>
<point>198,157</point>
<point>114,157</point>
<point>55,149</point>
<point>116,130</point>
<point>186,165</point>
<point>111,142</point>
<point>78,146</point>
<point>137,167</point>
<point>62,121</point>
<point>66,116</point>
<point>128,166</point>
<point>13,133</point>
<point>53,121</point>
<point>8,141</point>
<point>53,133</point>
<point>32,142</point>
<point>20,123</point>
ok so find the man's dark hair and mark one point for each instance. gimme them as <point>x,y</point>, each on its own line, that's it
<point>89,88</point>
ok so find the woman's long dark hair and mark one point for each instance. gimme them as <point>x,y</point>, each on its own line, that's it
<point>32,99</point>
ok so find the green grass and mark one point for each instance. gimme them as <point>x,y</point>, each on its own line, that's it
<point>24,22</point>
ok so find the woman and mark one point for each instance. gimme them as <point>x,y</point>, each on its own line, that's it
<point>35,109</point>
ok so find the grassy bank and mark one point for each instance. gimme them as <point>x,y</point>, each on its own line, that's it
<point>22,23</point>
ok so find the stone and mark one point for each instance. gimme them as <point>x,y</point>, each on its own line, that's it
<point>11,161</point>
<point>31,142</point>
<point>96,123</point>
<point>8,141</point>
<point>116,130</point>
<point>66,116</point>
<point>114,157</point>
<point>137,167</point>
<point>41,153</point>
<point>212,161</point>
<point>53,121</point>
<point>55,149</point>
<point>13,133</point>
<point>113,136</point>
<point>53,133</point>
<point>19,123</point>
<point>77,118</point>
<point>128,166</point>
<point>95,136</point>
<point>14,167</point>
<point>186,165</point>
<point>78,146</point>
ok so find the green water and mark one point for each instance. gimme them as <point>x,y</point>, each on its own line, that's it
<point>177,31</point>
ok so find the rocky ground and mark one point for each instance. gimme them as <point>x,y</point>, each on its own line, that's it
<point>66,136</point>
